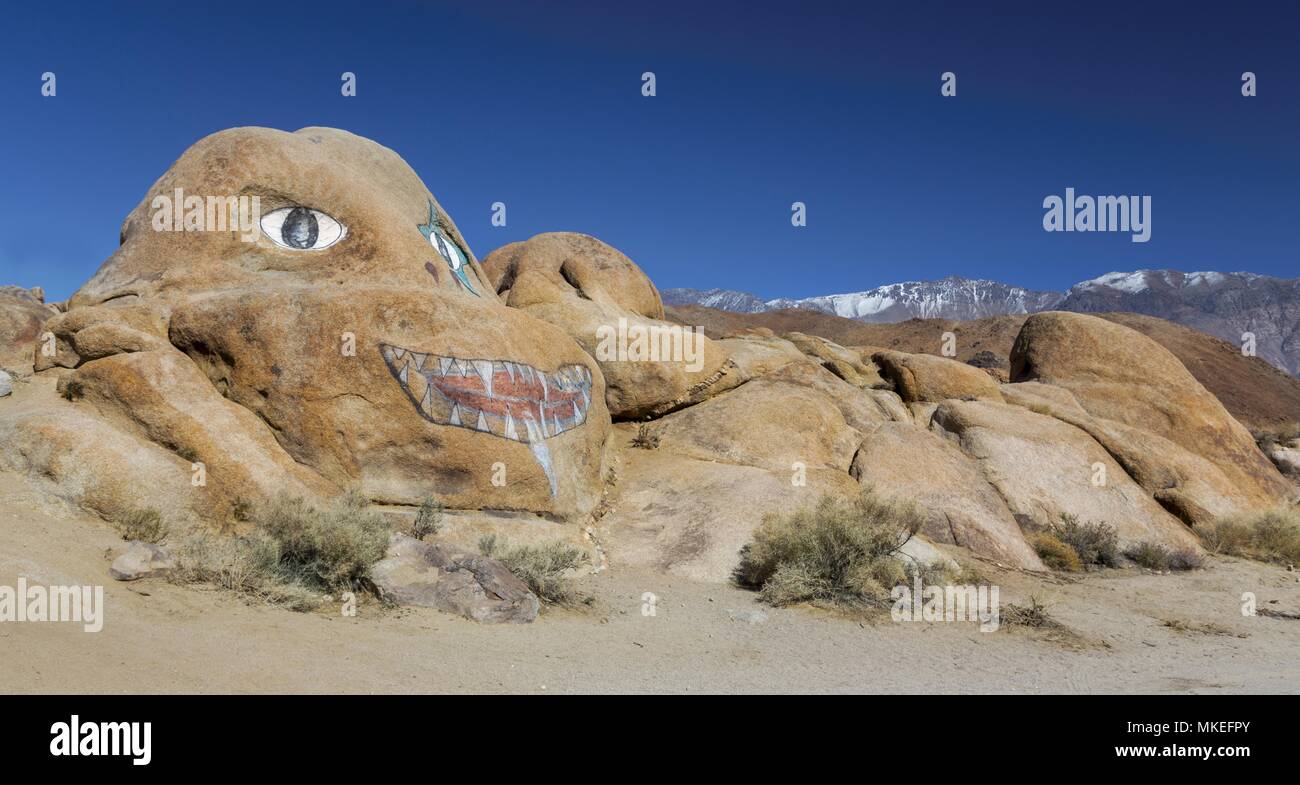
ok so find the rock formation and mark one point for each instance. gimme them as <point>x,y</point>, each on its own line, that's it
<point>353,340</point>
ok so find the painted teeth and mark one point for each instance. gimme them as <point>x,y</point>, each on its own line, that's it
<point>553,402</point>
<point>484,368</point>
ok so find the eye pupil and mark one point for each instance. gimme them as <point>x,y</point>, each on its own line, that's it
<point>300,228</point>
<point>446,252</point>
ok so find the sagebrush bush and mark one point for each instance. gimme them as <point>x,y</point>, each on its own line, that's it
<point>1155,556</point>
<point>428,520</point>
<point>1271,535</point>
<point>1054,553</point>
<point>295,552</point>
<point>842,551</point>
<point>1095,543</point>
<point>247,565</point>
<point>329,549</point>
<point>145,524</point>
<point>543,567</point>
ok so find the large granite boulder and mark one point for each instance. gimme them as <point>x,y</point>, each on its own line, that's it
<point>345,336</point>
<point>1045,468</point>
<point>961,507</point>
<point>23,313</point>
<point>1119,375</point>
<point>925,378</point>
<point>602,300</point>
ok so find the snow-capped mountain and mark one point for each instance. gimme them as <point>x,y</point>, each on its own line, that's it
<point>1225,305</point>
<point>949,298</point>
<point>722,299</point>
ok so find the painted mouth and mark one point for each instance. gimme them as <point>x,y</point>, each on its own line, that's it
<point>507,399</point>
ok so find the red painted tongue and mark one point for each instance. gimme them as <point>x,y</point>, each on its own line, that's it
<point>509,394</point>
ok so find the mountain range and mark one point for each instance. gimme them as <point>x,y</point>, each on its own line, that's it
<point>1225,305</point>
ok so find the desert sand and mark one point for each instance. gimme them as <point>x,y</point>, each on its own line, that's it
<point>165,638</point>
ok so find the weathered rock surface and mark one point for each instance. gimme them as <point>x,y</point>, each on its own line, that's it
<point>691,517</point>
<point>839,360</point>
<point>6,384</point>
<point>438,576</point>
<point>756,355</point>
<point>926,378</point>
<point>164,398</point>
<point>1118,374</point>
<point>1187,485</point>
<point>378,357</point>
<point>960,505</point>
<point>141,560</point>
<point>22,315</point>
<point>773,425</point>
<point>1287,458</point>
<point>73,454</point>
<point>387,421</point>
<point>862,408</point>
<point>602,300</point>
<point>1044,468</point>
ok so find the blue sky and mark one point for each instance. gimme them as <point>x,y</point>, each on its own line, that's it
<point>538,105</point>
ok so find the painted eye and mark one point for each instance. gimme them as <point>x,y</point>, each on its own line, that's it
<point>448,250</point>
<point>302,228</point>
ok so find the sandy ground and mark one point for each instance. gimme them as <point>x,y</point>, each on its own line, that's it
<point>159,637</point>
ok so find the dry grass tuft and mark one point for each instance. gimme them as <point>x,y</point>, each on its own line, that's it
<point>1034,615</point>
<point>145,524</point>
<point>646,438</point>
<point>1203,628</point>
<point>1271,535</point>
<point>1054,553</point>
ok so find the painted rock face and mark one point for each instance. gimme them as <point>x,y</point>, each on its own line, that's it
<point>339,303</point>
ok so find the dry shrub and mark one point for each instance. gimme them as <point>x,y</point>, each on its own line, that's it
<point>1095,543</point>
<point>294,555</point>
<point>1271,535</point>
<point>1155,556</point>
<point>428,520</point>
<point>543,567</point>
<point>1054,553</point>
<point>246,565</point>
<point>1033,615</point>
<point>330,549</point>
<point>842,551</point>
<point>145,524</point>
